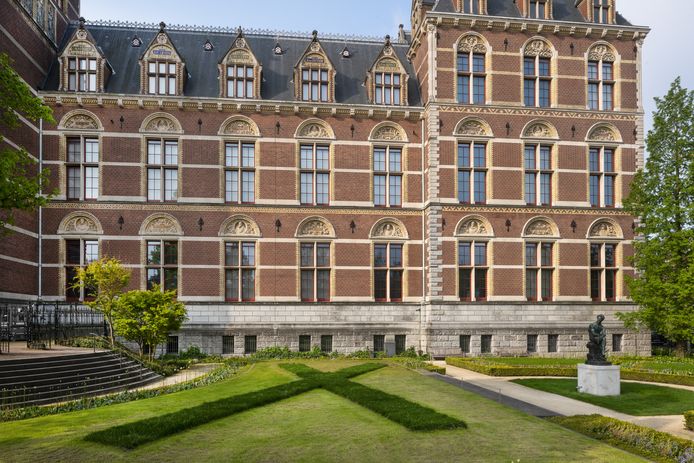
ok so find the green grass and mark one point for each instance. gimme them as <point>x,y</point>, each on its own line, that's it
<point>315,426</point>
<point>636,399</point>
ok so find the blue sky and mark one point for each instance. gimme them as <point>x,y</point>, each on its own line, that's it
<point>667,52</point>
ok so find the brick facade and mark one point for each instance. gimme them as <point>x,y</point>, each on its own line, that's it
<point>431,222</point>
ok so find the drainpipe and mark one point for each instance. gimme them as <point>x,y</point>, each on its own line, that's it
<point>40,228</point>
<point>424,279</point>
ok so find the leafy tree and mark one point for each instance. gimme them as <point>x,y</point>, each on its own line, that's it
<point>103,282</point>
<point>20,186</point>
<point>662,196</point>
<point>147,317</point>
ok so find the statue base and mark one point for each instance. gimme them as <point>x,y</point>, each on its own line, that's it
<point>599,380</point>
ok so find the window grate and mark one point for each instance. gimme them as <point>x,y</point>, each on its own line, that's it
<point>326,343</point>
<point>465,343</point>
<point>250,344</point>
<point>227,344</point>
<point>553,343</point>
<point>304,343</point>
<point>172,345</point>
<point>532,343</point>
<point>616,343</point>
<point>400,343</point>
<point>379,343</point>
<point>486,343</point>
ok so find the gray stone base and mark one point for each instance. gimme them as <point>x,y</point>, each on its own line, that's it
<point>600,380</point>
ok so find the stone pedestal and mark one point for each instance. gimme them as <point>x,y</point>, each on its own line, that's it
<point>599,380</point>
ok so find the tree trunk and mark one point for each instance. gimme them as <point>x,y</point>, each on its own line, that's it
<point>681,349</point>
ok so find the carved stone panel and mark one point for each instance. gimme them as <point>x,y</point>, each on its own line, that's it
<point>388,229</point>
<point>314,130</point>
<point>240,226</point>
<point>538,48</point>
<point>161,226</point>
<point>601,52</point>
<point>604,230</point>
<point>80,224</point>
<point>240,127</point>
<point>81,122</point>
<point>473,227</point>
<point>388,133</point>
<point>160,124</point>
<point>473,44</point>
<point>602,134</point>
<point>539,228</point>
<point>538,130</point>
<point>472,128</point>
<point>315,227</point>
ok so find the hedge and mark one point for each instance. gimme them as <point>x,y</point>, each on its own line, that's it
<point>689,420</point>
<point>497,369</point>
<point>646,442</point>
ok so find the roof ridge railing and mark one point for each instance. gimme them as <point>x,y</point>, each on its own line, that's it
<point>230,30</point>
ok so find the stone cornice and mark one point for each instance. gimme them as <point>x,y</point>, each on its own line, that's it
<point>538,112</point>
<point>526,25</point>
<point>413,113</point>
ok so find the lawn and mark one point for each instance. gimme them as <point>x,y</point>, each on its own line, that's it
<point>315,426</point>
<point>636,399</point>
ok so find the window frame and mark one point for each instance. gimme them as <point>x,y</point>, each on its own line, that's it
<point>390,269</point>
<point>240,170</point>
<point>602,174</point>
<point>600,83</point>
<point>315,270</point>
<point>537,78</point>
<point>536,5</point>
<point>471,6</point>
<point>540,269</point>
<point>473,267</point>
<point>241,269</point>
<point>314,172</point>
<point>83,262</point>
<point>472,77</point>
<point>158,75</point>
<point>248,80</point>
<point>83,165</point>
<point>308,84</point>
<point>391,89</point>
<point>162,266</point>
<point>603,270</point>
<point>388,175</point>
<point>538,171</point>
<point>472,170</point>
<point>78,72</point>
<point>603,8</point>
<point>162,167</point>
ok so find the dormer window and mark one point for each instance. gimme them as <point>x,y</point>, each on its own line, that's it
<point>387,78</point>
<point>83,66</point>
<point>162,69</point>
<point>471,6</point>
<point>81,74</point>
<point>241,71</point>
<point>601,11</point>
<point>538,9</point>
<point>315,74</point>
<point>161,78</point>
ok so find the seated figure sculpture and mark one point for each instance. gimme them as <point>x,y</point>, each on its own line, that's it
<point>596,344</point>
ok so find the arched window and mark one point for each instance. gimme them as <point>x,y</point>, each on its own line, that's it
<point>240,235</point>
<point>540,235</point>
<point>388,164</point>
<point>161,234</point>
<point>537,74</point>
<point>315,235</point>
<point>471,68</point>
<point>538,162</point>
<point>474,234</point>
<point>240,70</point>
<point>82,154</point>
<point>315,74</point>
<point>161,66</point>
<point>601,78</point>
<point>389,256</point>
<point>473,139</point>
<point>162,156</point>
<point>604,236</point>
<point>387,79</point>
<point>80,247</point>
<point>239,159</point>
<point>314,162</point>
<point>604,142</point>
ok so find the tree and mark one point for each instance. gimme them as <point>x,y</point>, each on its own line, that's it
<point>147,317</point>
<point>103,282</point>
<point>20,185</point>
<point>662,197</point>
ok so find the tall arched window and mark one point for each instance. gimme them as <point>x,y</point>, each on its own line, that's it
<point>603,165</point>
<point>604,236</point>
<point>540,235</point>
<point>601,78</point>
<point>537,74</point>
<point>389,260</point>
<point>388,164</point>
<point>471,69</point>
<point>538,162</point>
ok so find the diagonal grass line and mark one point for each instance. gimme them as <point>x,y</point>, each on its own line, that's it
<point>131,435</point>
<point>409,414</point>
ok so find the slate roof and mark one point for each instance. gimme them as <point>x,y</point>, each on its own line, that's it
<point>278,70</point>
<point>563,10</point>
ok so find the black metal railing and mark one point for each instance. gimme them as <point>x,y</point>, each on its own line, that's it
<point>49,323</point>
<point>12,324</point>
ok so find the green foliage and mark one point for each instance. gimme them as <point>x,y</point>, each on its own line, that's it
<point>20,187</point>
<point>411,415</point>
<point>491,368</point>
<point>651,444</point>
<point>662,196</point>
<point>147,317</point>
<point>635,399</point>
<point>689,420</point>
<point>87,403</point>
<point>103,282</point>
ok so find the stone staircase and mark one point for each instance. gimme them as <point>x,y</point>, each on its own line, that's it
<point>47,380</point>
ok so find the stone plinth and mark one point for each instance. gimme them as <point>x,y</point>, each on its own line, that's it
<point>599,380</point>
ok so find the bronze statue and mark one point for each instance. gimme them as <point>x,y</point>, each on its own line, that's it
<point>596,344</point>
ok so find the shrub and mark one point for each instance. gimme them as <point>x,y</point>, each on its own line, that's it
<point>496,369</point>
<point>689,420</point>
<point>646,442</point>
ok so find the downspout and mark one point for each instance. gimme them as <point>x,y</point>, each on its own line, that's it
<point>424,279</point>
<point>40,225</point>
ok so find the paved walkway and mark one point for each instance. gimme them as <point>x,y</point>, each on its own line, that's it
<point>19,350</point>
<point>195,371</point>
<point>541,403</point>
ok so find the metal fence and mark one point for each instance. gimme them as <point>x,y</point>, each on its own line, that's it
<point>44,324</point>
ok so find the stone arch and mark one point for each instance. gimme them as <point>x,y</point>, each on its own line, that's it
<point>540,129</point>
<point>388,132</point>
<point>240,225</point>
<point>80,223</point>
<point>604,132</point>
<point>161,224</point>
<point>315,128</point>
<point>473,127</point>
<point>81,120</point>
<point>389,228</point>
<point>541,227</point>
<point>315,227</point>
<point>472,42</point>
<point>161,122</point>
<point>538,46</point>
<point>602,51</point>
<point>239,126</point>
<point>605,228</point>
<point>474,225</point>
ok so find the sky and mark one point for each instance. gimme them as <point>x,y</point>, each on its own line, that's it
<point>666,53</point>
